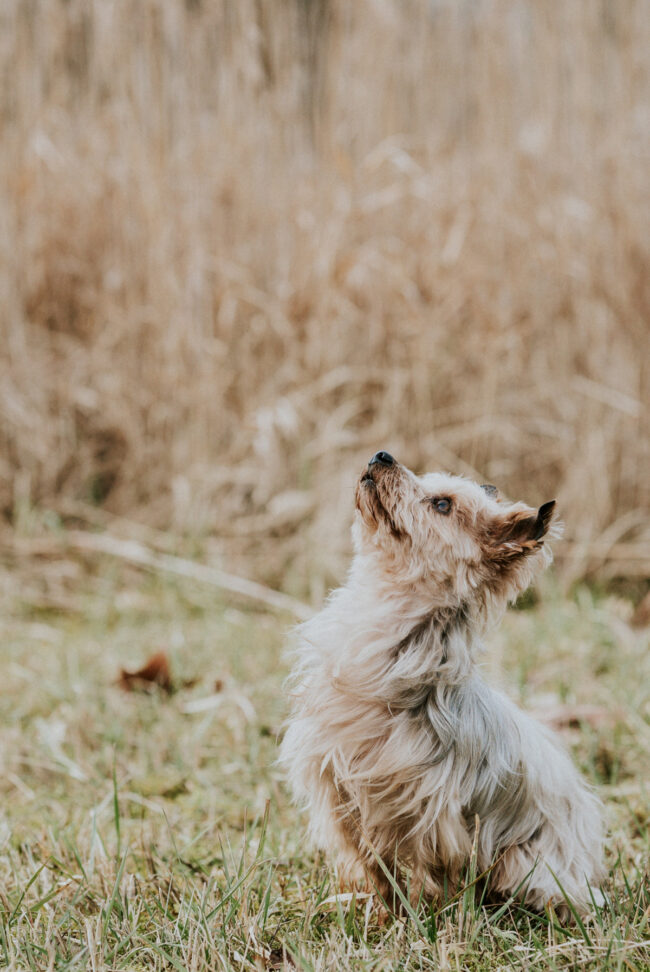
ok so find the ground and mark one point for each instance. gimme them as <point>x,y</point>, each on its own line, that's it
<point>153,830</point>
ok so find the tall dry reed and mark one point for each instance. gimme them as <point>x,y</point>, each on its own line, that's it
<point>245,244</point>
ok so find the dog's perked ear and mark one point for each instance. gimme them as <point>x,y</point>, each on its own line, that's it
<point>543,519</point>
<point>519,532</point>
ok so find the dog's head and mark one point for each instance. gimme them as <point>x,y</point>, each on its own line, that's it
<point>446,533</point>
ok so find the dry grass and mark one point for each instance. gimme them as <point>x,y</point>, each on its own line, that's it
<point>154,831</point>
<point>246,244</point>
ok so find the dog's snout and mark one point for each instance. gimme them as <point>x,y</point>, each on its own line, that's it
<point>383,458</point>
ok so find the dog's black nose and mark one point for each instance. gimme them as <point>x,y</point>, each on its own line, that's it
<point>383,458</point>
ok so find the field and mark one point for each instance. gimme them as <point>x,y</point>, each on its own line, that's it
<point>245,244</point>
<point>152,830</point>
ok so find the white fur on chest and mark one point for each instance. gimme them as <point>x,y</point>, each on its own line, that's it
<point>398,746</point>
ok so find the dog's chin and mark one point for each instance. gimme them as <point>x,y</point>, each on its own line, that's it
<point>372,505</point>
<point>367,498</point>
<point>369,503</point>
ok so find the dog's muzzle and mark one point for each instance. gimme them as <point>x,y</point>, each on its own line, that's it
<point>379,462</point>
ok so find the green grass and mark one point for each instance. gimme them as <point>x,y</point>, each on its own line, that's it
<point>146,831</point>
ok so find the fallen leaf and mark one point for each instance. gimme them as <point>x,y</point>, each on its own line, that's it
<point>276,958</point>
<point>641,616</point>
<point>573,716</point>
<point>154,672</point>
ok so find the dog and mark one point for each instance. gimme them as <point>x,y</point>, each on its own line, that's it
<point>411,767</point>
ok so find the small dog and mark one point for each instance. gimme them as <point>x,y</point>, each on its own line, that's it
<point>407,761</point>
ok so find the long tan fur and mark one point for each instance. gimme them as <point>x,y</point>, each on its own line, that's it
<point>396,745</point>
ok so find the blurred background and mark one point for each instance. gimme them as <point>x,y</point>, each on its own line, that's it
<point>246,244</point>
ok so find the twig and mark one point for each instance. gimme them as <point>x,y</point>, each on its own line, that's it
<point>137,553</point>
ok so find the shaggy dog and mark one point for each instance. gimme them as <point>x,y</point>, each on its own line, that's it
<point>407,761</point>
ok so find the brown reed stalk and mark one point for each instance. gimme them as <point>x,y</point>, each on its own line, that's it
<point>246,244</point>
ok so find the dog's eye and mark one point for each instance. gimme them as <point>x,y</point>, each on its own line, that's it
<point>442,504</point>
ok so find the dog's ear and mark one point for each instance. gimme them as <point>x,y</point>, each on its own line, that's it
<point>520,532</point>
<point>543,519</point>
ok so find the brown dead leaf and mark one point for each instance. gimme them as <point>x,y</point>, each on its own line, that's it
<point>277,958</point>
<point>574,716</point>
<point>641,616</point>
<point>155,671</point>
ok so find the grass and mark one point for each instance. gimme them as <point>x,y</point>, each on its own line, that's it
<point>153,831</point>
